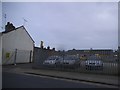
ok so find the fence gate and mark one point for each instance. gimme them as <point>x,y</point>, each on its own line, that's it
<point>17,56</point>
<point>22,56</point>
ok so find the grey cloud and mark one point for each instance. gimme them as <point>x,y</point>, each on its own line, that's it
<point>69,25</point>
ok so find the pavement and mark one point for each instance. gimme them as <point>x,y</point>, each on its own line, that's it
<point>94,78</point>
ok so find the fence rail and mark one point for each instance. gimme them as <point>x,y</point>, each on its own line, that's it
<point>108,68</point>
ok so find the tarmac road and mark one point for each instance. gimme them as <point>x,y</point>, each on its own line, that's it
<point>15,80</point>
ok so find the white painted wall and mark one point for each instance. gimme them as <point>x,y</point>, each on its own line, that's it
<point>118,31</point>
<point>0,48</point>
<point>17,39</point>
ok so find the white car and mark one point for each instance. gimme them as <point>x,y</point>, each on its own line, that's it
<point>52,60</point>
<point>94,64</point>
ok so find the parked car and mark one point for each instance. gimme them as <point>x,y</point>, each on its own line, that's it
<point>71,60</point>
<point>52,60</point>
<point>94,64</point>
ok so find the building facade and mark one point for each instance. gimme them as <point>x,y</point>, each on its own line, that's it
<point>17,45</point>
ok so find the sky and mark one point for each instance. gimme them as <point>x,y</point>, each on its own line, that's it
<point>67,25</point>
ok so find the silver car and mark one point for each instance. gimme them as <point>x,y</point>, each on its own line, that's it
<point>71,61</point>
<point>52,60</point>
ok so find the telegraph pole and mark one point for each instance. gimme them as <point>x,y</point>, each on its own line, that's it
<point>5,18</point>
<point>4,21</point>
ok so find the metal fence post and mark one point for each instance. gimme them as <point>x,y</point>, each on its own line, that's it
<point>15,56</point>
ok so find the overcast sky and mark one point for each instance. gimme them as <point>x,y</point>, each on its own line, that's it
<point>67,25</point>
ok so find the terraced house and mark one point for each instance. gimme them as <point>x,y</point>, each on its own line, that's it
<point>104,54</point>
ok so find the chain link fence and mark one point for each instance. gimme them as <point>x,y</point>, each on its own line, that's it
<point>40,55</point>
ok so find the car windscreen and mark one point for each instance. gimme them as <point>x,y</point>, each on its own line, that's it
<point>93,61</point>
<point>70,58</point>
<point>93,58</point>
<point>53,58</point>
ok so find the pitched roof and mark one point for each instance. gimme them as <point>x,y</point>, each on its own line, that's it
<point>17,29</point>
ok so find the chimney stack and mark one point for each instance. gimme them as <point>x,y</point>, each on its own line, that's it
<point>41,45</point>
<point>9,27</point>
<point>48,47</point>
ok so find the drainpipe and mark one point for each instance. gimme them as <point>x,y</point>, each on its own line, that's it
<point>15,56</point>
